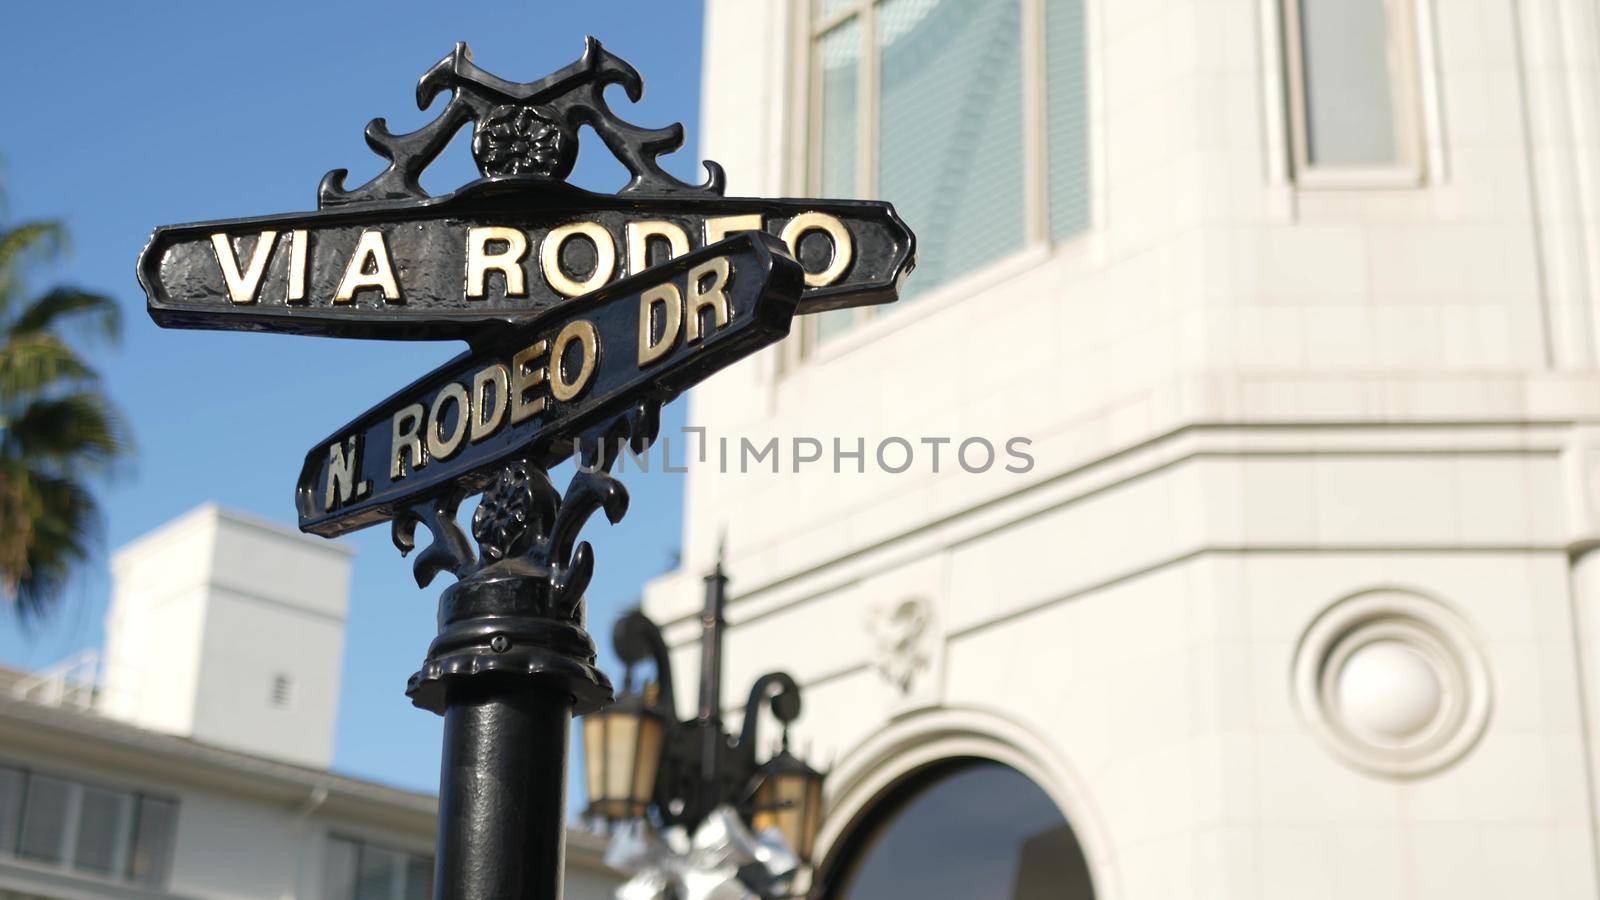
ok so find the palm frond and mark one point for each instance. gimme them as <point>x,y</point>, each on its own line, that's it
<point>31,364</point>
<point>61,541</point>
<point>21,244</point>
<point>75,433</point>
<point>95,314</point>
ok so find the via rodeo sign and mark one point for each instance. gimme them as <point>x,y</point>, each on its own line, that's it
<point>387,261</point>
<point>584,312</point>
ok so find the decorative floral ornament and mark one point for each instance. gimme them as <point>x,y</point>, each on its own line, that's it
<point>670,866</point>
<point>504,518</point>
<point>524,140</point>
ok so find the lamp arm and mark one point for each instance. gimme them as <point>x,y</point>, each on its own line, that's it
<point>784,695</point>
<point>636,638</point>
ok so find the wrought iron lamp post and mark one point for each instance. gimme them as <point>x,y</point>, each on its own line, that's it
<point>645,764</point>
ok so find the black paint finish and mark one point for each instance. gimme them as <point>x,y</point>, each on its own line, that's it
<point>499,801</point>
<point>427,242</point>
<point>761,292</point>
<point>702,766</point>
<point>512,662</point>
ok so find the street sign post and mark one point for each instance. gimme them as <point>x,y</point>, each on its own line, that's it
<point>584,313</point>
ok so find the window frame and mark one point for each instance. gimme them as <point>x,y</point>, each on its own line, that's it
<point>400,865</point>
<point>124,838</point>
<point>806,163</point>
<point>1405,66</point>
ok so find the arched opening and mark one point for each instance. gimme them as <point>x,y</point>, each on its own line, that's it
<point>957,830</point>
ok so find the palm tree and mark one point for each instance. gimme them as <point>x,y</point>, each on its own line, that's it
<point>57,429</point>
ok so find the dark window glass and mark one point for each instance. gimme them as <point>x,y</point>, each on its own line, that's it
<point>950,130</point>
<point>419,878</point>
<point>102,821</point>
<point>339,869</point>
<point>969,829</point>
<point>10,808</point>
<point>154,827</point>
<point>355,870</point>
<point>376,873</point>
<point>44,819</point>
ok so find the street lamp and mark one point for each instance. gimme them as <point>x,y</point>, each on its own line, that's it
<point>643,763</point>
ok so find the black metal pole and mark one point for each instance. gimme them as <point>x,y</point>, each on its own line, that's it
<point>510,667</point>
<point>710,719</point>
<point>502,792</point>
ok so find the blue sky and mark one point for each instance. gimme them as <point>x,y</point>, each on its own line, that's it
<point>128,116</point>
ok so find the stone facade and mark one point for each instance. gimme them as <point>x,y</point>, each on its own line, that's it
<point>1300,596</point>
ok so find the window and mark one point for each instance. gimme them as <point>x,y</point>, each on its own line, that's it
<point>1353,92</point>
<point>87,828</point>
<point>962,829</point>
<point>934,104</point>
<point>356,870</point>
<point>155,826</point>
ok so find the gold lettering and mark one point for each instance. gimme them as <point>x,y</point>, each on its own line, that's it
<point>297,267</point>
<point>488,413</point>
<point>524,380</point>
<point>369,247</point>
<point>242,287</point>
<point>508,262</point>
<point>582,331</point>
<point>639,235</point>
<point>667,298</point>
<point>406,436</point>
<point>440,446</point>
<point>342,484</point>
<point>843,247</point>
<point>605,258</point>
<point>718,270</point>
<point>721,226</point>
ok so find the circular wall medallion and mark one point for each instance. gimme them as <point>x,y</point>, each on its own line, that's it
<point>1392,683</point>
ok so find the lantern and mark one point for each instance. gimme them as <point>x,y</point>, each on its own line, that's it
<point>622,755</point>
<point>788,797</point>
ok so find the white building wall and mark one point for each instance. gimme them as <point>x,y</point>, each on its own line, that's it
<point>1248,401</point>
<point>208,613</point>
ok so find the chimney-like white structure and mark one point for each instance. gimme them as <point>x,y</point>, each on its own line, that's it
<point>229,630</point>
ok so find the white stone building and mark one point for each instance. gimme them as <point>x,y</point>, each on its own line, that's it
<point>190,760</point>
<point>1298,302</point>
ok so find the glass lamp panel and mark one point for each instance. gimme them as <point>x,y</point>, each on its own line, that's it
<point>652,733</point>
<point>812,821</point>
<point>622,748</point>
<point>622,752</point>
<point>950,131</point>
<point>789,801</point>
<point>594,757</point>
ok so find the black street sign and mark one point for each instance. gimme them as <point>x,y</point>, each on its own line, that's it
<point>584,313</point>
<point>502,249</point>
<point>526,392</point>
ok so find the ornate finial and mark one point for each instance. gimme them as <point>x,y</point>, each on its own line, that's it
<point>521,129</point>
<point>518,606</point>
